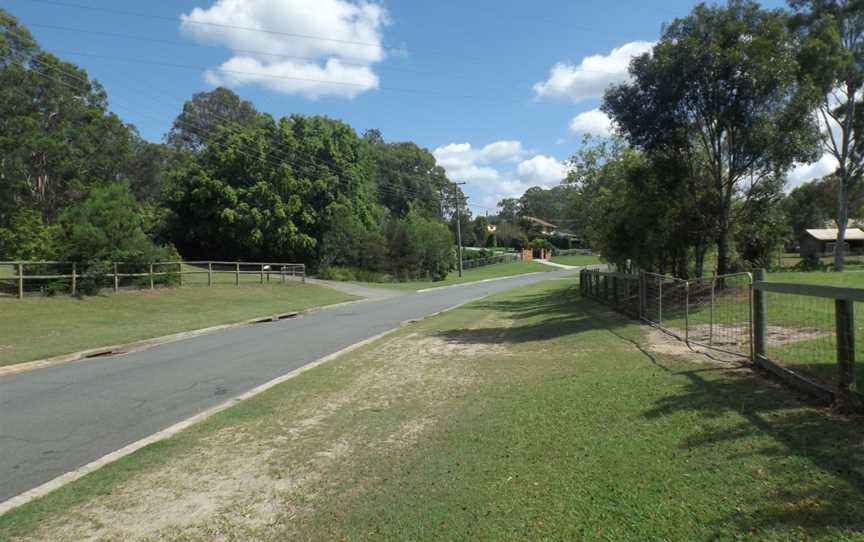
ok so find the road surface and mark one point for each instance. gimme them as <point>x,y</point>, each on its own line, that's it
<point>56,419</point>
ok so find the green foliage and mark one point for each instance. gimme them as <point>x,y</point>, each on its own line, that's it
<point>107,227</point>
<point>510,235</point>
<point>729,109</point>
<point>420,247</point>
<point>205,114</point>
<point>26,238</point>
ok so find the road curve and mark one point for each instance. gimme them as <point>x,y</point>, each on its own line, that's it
<point>56,419</point>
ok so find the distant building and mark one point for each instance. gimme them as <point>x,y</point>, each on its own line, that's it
<point>822,241</point>
<point>546,228</point>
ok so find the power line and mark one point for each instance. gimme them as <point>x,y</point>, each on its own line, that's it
<point>284,77</point>
<point>208,46</point>
<point>216,25</point>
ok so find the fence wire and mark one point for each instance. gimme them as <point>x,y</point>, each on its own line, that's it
<point>720,313</point>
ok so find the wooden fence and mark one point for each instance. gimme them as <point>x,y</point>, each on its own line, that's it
<point>27,278</point>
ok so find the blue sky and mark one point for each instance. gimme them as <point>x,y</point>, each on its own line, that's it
<point>475,81</point>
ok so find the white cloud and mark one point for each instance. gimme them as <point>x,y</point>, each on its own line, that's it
<point>542,170</point>
<point>803,173</point>
<point>591,77</point>
<point>593,122</point>
<point>503,169</point>
<point>342,43</point>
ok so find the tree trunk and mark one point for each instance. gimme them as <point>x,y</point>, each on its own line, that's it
<point>842,219</point>
<point>723,250</point>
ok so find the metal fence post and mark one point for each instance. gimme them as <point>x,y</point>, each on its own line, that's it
<point>642,295</point>
<point>687,312</point>
<point>237,275</point>
<point>151,276</point>
<point>845,323</point>
<point>209,273</point>
<point>74,278</point>
<point>20,280</point>
<point>711,314</point>
<point>759,318</point>
<point>116,279</point>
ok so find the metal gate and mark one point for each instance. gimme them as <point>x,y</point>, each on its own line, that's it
<point>714,312</point>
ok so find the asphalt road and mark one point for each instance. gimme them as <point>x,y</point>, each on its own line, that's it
<point>56,419</point>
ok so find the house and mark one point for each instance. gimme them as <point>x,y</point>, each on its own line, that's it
<point>822,241</point>
<point>546,228</point>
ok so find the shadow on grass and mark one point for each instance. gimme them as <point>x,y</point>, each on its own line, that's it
<point>820,504</point>
<point>833,444</point>
<point>543,316</point>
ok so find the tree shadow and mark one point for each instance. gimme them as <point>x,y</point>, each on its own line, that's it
<point>552,314</point>
<point>833,444</point>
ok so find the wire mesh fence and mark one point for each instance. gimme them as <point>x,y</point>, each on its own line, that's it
<point>805,334</point>
<point>27,279</point>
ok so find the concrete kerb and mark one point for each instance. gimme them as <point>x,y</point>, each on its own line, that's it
<point>144,344</point>
<point>60,481</point>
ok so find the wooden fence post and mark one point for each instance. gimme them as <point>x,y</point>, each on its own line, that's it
<point>209,273</point>
<point>615,291</point>
<point>759,319</point>
<point>116,279</point>
<point>262,273</point>
<point>20,280</point>
<point>180,273</point>
<point>74,278</point>
<point>660,301</point>
<point>237,275</point>
<point>845,323</point>
<point>151,276</point>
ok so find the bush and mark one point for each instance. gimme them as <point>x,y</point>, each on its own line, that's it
<point>27,238</point>
<point>420,247</point>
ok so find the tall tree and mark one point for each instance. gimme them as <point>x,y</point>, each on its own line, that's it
<point>832,32</point>
<point>206,112</point>
<point>720,90</point>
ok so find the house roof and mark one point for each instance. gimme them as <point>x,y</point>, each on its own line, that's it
<point>541,222</point>
<point>830,234</point>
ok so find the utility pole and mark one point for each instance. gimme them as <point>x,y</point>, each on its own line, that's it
<point>459,228</point>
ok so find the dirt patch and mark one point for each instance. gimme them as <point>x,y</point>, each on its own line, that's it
<point>737,336</point>
<point>240,481</point>
<point>664,343</point>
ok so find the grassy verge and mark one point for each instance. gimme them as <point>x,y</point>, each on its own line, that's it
<point>577,259</point>
<point>472,275</point>
<point>36,328</point>
<point>531,415</point>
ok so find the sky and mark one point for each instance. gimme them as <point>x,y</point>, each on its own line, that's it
<point>502,93</point>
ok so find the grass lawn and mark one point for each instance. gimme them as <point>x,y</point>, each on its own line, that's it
<point>471,275</point>
<point>577,259</point>
<point>40,327</point>
<point>531,415</point>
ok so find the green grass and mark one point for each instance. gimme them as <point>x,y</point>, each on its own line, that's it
<point>577,259</point>
<point>471,275</point>
<point>40,327</point>
<point>548,419</point>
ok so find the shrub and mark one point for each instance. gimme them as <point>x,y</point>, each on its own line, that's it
<point>27,238</point>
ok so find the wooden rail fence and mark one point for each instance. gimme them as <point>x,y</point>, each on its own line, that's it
<point>22,278</point>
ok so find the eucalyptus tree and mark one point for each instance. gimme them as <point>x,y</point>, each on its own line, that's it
<point>720,92</point>
<point>832,34</point>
